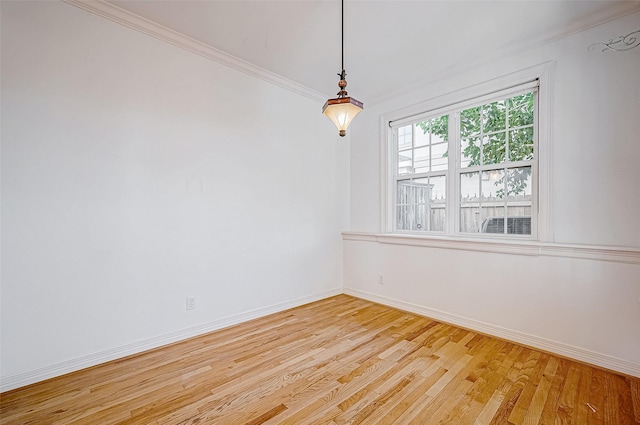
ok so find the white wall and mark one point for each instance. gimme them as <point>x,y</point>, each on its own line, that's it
<point>136,174</point>
<point>590,305</point>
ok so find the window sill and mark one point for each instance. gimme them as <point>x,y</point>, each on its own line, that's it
<point>515,247</point>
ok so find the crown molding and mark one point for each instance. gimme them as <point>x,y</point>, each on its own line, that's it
<point>130,20</point>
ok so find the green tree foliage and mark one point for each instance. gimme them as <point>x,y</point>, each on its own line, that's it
<point>493,134</point>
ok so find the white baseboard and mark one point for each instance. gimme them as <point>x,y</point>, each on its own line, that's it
<point>612,363</point>
<point>564,350</point>
<point>25,378</point>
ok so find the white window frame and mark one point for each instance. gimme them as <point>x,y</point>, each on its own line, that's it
<point>482,93</point>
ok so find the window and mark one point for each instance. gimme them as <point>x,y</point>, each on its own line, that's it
<point>468,169</point>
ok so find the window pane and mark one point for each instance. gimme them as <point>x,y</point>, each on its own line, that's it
<point>493,149</point>
<point>492,219</point>
<point>422,133</point>
<point>429,138</point>
<point>439,160</point>
<point>405,193</point>
<point>470,152</point>
<point>521,144</point>
<point>492,186</point>
<point>422,189</point>
<point>404,216</point>
<point>469,202</point>
<point>494,116</point>
<point>437,206</point>
<point>492,199</point>
<point>469,186</point>
<point>421,162</point>
<point>405,137</point>
<point>521,110</point>
<point>440,129</point>
<point>413,198</point>
<point>421,204</point>
<point>405,162</point>
<point>519,183</point>
<point>519,224</point>
<point>519,201</point>
<point>406,199</point>
<point>470,122</point>
<point>438,189</point>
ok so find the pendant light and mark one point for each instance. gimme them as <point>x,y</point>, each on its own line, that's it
<point>342,109</point>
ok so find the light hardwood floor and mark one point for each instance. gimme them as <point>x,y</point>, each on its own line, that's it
<point>337,361</point>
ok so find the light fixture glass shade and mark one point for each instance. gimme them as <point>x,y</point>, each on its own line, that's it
<point>341,112</point>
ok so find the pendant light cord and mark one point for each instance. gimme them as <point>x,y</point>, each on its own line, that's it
<point>343,34</point>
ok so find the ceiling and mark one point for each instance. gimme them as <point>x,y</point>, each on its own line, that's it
<point>389,44</point>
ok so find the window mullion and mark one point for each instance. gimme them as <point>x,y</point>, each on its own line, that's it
<point>535,167</point>
<point>453,177</point>
<point>394,190</point>
<point>507,150</point>
<point>505,214</point>
<point>481,210</point>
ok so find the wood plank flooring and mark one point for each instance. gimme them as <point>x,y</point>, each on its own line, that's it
<point>337,361</point>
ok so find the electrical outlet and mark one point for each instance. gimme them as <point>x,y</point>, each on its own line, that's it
<point>380,279</point>
<point>191,303</point>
